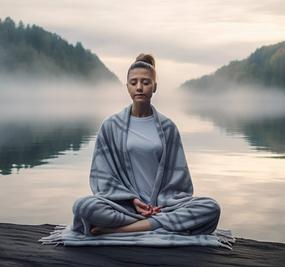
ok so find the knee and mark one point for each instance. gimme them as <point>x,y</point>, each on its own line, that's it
<point>79,203</point>
<point>215,207</point>
<point>211,205</point>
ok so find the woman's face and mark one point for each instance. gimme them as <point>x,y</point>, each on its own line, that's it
<point>141,84</point>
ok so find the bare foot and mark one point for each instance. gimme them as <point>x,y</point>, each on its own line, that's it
<point>96,230</point>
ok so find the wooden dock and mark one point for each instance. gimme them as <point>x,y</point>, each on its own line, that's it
<point>19,246</point>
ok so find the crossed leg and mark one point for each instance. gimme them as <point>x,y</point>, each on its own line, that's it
<point>92,215</point>
<point>140,225</point>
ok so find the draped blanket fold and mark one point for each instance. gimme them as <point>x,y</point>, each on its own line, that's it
<point>112,181</point>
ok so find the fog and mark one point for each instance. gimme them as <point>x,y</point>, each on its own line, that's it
<point>69,99</point>
<point>54,99</point>
<point>66,98</point>
<point>246,102</point>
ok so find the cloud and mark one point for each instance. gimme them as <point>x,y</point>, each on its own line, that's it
<point>206,33</point>
<point>168,48</point>
<point>272,8</point>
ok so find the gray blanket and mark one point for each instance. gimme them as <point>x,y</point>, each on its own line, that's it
<point>112,181</point>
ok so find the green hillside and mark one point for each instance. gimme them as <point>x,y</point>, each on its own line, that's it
<point>264,67</point>
<point>32,50</point>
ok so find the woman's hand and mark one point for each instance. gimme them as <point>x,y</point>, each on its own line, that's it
<point>145,209</point>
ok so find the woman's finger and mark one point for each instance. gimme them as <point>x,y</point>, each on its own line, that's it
<point>142,210</point>
<point>139,204</point>
<point>147,213</point>
<point>143,205</point>
<point>146,209</point>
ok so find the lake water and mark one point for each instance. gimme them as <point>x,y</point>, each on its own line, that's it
<point>235,153</point>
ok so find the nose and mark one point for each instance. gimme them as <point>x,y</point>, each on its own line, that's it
<point>139,85</point>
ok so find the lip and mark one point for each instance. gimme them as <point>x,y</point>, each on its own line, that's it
<point>139,95</point>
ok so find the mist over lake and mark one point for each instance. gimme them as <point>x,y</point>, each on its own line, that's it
<point>233,142</point>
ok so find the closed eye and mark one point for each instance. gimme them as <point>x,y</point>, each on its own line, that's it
<point>145,81</point>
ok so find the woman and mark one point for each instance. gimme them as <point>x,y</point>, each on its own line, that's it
<point>139,173</point>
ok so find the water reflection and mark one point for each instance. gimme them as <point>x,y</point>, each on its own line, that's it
<point>264,134</point>
<point>264,130</point>
<point>29,144</point>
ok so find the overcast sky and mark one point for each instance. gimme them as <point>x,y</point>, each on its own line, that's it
<point>188,38</point>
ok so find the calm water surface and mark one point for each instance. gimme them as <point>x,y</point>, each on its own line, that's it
<point>238,160</point>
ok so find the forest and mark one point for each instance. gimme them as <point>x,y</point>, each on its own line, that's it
<point>265,67</point>
<point>30,49</point>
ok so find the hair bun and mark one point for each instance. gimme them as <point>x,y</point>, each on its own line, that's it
<point>148,58</point>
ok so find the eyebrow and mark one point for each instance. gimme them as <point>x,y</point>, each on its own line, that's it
<point>148,79</point>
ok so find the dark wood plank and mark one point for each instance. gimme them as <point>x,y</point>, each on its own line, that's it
<point>19,246</point>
